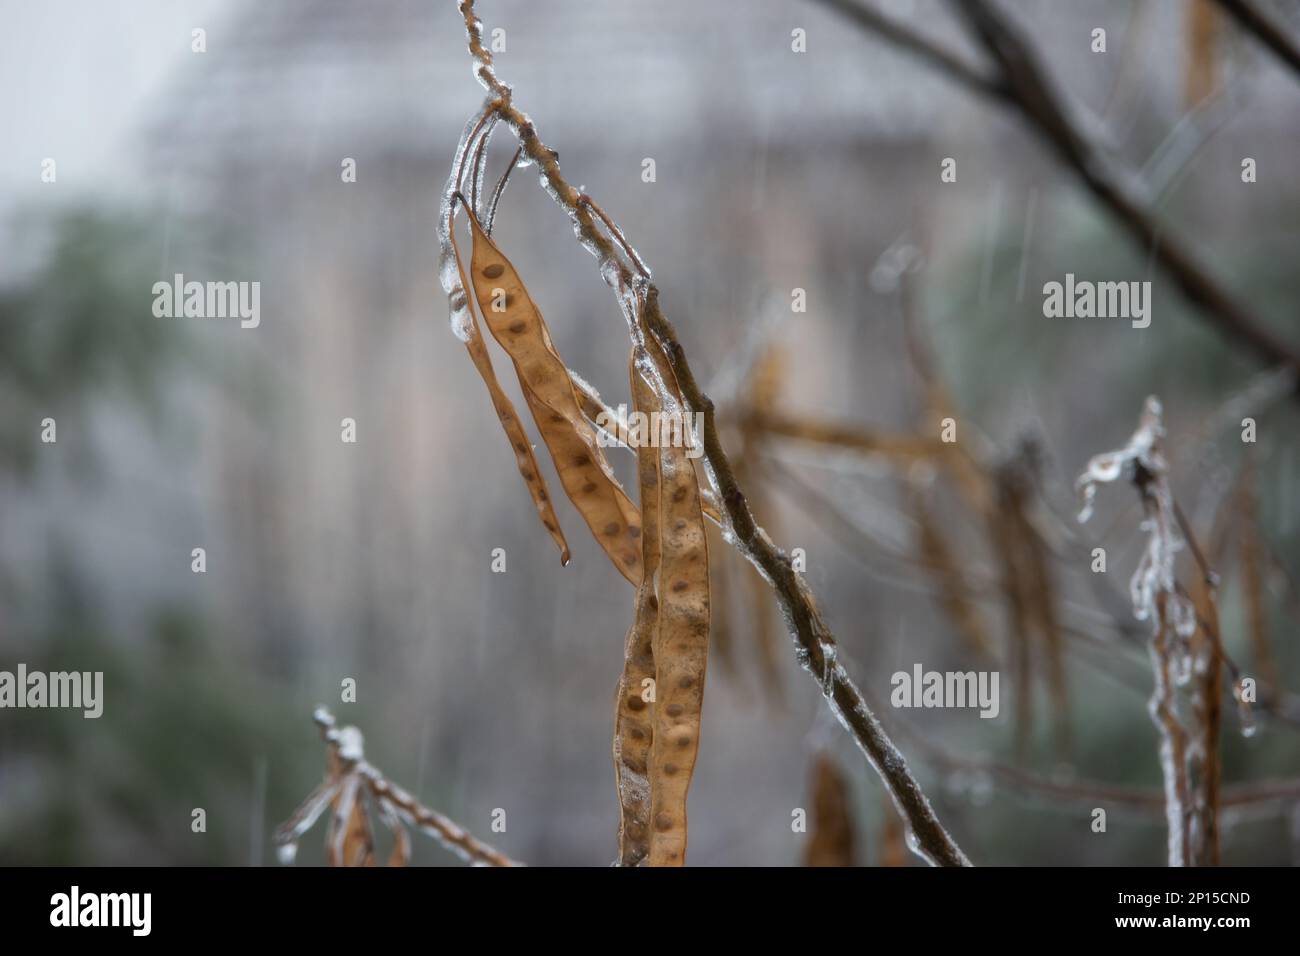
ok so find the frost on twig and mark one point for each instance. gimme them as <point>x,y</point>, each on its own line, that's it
<point>1143,461</point>
<point>1175,656</point>
<point>350,782</point>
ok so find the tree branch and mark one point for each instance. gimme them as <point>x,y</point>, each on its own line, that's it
<point>1023,83</point>
<point>1265,29</point>
<point>1032,92</point>
<point>922,47</point>
<point>814,642</point>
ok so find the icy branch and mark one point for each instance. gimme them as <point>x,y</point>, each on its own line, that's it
<point>396,807</point>
<point>815,644</point>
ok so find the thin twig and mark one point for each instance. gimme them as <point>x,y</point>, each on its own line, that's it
<point>1265,29</point>
<point>1023,83</point>
<point>1093,791</point>
<point>393,802</point>
<point>896,446</point>
<point>923,47</point>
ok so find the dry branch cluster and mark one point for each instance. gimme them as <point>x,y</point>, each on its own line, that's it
<point>1187,656</point>
<point>659,543</point>
<point>350,788</point>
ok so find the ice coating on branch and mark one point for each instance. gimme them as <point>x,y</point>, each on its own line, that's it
<point>1143,460</point>
<point>1158,598</point>
<point>829,653</point>
<point>308,812</point>
<point>1142,449</point>
<point>479,159</point>
<point>351,744</point>
<point>1171,773</point>
<point>889,767</point>
<point>449,274</point>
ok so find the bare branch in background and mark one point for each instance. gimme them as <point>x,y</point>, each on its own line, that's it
<point>1187,656</point>
<point>1023,83</point>
<point>1265,29</point>
<point>926,49</point>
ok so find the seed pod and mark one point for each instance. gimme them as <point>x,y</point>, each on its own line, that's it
<point>634,720</point>
<point>681,644</point>
<point>831,842</point>
<point>348,841</point>
<point>517,324</point>
<point>509,419</point>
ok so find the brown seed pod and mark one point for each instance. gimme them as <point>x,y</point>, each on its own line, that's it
<point>634,715</point>
<point>517,324</point>
<point>514,429</point>
<point>681,643</point>
<point>831,842</point>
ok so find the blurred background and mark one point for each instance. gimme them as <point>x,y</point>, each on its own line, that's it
<point>774,170</point>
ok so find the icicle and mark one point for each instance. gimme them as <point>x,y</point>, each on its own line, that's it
<point>448,270</point>
<point>829,667</point>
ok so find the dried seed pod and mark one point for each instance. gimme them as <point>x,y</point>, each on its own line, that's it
<point>517,324</point>
<point>1031,595</point>
<point>1200,64</point>
<point>634,721</point>
<point>514,429</point>
<point>831,841</point>
<point>348,840</point>
<point>893,839</point>
<point>954,591</point>
<point>681,644</point>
